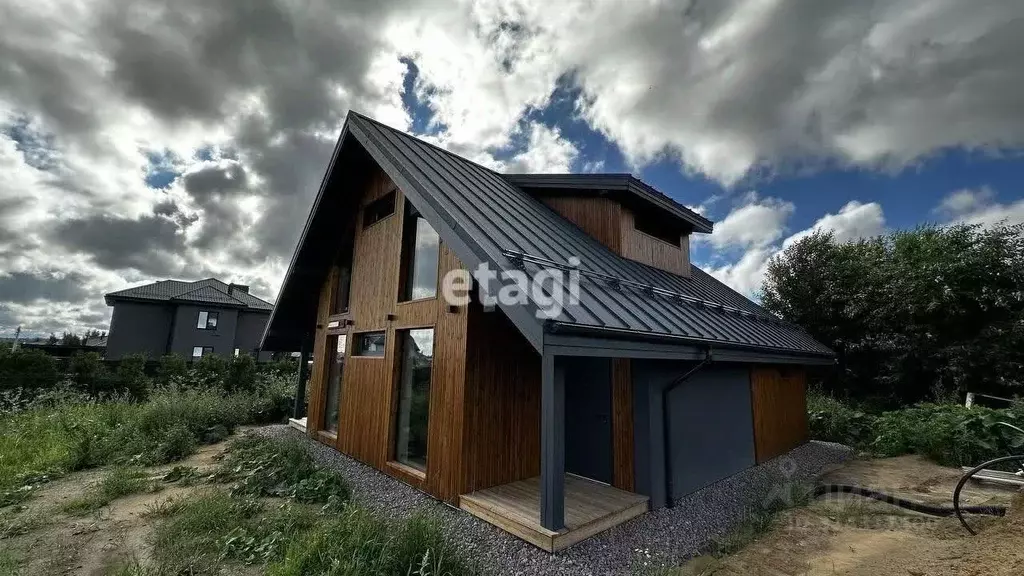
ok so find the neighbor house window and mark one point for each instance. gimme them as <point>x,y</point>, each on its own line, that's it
<point>333,392</point>
<point>200,351</point>
<point>369,344</point>
<point>417,349</point>
<point>420,249</point>
<point>379,209</point>
<point>207,320</point>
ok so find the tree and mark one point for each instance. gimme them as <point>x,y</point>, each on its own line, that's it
<point>914,315</point>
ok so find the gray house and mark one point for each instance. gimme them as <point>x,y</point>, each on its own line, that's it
<point>187,318</point>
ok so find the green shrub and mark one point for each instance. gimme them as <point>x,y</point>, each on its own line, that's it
<point>948,434</point>
<point>241,374</point>
<point>27,369</point>
<point>210,371</point>
<point>283,468</point>
<point>172,369</point>
<point>131,377</point>
<point>178,442</point>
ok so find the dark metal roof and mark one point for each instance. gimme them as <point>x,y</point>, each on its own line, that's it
<point>484,218</point>
<point>210,291</point>
<point>625,184</point>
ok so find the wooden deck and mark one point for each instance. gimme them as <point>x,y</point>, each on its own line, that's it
<point>590,508</point>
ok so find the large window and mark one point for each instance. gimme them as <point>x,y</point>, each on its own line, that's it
<point>200,351</point>
<point>420,249</point>
<point>656,228</point>
<point>369,344</point>
<point>207,320</point>
<point>414,397</point>
<point>335,344</point>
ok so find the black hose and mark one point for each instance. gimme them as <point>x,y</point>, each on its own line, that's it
<point>963,480</point>
<point>909,504</point>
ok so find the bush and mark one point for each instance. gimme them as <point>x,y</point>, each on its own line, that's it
<point>27,369</point>
<point>241,373</point>
<point>131,377</point>
<point>172,369</point>
<point>948,434</point>
<point>210,371</point>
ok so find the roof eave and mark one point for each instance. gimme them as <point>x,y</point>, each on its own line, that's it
<point>824,356</point>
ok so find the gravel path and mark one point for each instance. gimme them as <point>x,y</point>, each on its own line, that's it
<point>665,535</point>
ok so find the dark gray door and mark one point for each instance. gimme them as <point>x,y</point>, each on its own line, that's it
<point>588,418</point>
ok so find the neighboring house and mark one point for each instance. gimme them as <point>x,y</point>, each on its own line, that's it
<point>187,318</point>
<point>553,424</point>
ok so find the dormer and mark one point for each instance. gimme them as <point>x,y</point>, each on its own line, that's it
<point>629,217</point>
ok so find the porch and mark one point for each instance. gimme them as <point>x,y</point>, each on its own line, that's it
<point>590,507</point>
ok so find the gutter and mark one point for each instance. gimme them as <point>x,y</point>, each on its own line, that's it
<point>665,435</point>
<point>555,327</point>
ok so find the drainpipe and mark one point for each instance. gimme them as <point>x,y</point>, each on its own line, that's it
<point>666,437</point>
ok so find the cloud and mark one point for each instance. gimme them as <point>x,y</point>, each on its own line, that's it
<point>755,224</point>
<point>853,221</point>
<point>25,287</point>
<point>546,152</point>
<point>979,206</point>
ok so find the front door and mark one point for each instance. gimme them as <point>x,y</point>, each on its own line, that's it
<point>588,418</point>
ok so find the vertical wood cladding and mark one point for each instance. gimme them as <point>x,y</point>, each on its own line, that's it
<point>599,217</point>
<point>610,224</point>
<point>622,424</point>
<point>502,403</point>
<point>317,375</point>
<point>779,404</point>
<point>367,391</point>
<point>638,246</point>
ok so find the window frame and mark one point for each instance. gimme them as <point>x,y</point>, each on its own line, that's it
<point>407,257</point>
<point>214,314</point>
<point>357,339</point>
<point>372,208</point>
<point>409,466</point>
<point>336,361</point>
<point>204,350</point>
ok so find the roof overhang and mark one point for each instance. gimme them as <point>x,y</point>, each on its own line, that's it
<point>625,186</point>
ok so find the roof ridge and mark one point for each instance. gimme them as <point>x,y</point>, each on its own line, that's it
<point>421,140</point>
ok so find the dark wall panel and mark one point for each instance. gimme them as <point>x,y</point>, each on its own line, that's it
<point>249,330</point>
<point>711,426</point>
<point>186,335</point>
<point>138,328</point>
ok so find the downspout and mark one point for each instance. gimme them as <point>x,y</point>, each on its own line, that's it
<point>666,437</point>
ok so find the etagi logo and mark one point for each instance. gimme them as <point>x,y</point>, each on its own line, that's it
<point>550,289</point>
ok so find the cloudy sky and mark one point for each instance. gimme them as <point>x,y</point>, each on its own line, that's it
<point>185,139</point>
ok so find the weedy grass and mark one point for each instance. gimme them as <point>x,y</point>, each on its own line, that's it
<point>119,481</point>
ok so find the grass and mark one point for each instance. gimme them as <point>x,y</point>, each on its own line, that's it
<point>760,521</point>
<point>8,563</point>
<point>52,441</point>
<point>119,482</point>
<point>284,514</point>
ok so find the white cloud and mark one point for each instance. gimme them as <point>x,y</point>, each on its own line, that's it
<point>755,224</point>
<point>979,206</point>
<point>853,221</point>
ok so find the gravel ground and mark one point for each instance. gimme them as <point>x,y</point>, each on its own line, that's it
<point>666,535</point>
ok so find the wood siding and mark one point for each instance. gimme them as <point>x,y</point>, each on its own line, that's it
<point>779,405</point>
<point>502,400</point>
<point>638,246</point>
<point>622,424</point>
<point>367,398</point>
<point>601,218</point>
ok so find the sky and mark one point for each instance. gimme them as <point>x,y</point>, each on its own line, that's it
<point>186,139</point>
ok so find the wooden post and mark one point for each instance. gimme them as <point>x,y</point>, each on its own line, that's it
<point>552,444</point>
<point>299,407</point>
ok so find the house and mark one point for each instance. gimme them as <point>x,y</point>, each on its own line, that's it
<point>535,349</point>
<point>187,318</point>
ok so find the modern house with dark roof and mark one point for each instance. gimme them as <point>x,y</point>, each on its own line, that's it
<point>187,318</point>
<point>535,349</point>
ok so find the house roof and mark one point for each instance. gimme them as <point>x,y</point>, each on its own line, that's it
<point>625,185</point>
<point>484,218</point>
<point>209,291</point>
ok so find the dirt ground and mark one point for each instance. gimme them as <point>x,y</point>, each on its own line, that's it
<point>839,535</point>
<point>854,536</point>
<point>95,543</point>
